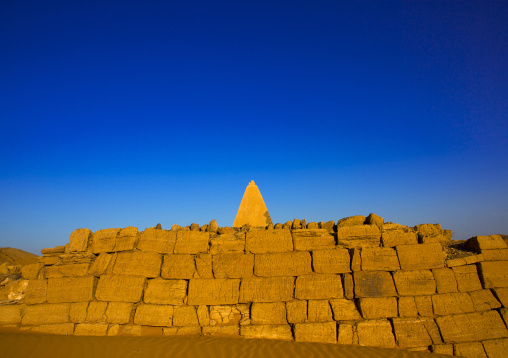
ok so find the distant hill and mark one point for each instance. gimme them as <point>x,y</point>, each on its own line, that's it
<point>16,256</point>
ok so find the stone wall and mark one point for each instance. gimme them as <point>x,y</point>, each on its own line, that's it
<point>357,281</point>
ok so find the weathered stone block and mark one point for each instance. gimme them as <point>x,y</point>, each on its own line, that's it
<point>318,286</point>
<point>443,349</point>
<point>71,289</point>
<point>268,313</point>
<point>414,283</point>
<point>95,312</point>
<point>218,291</point>
<point>373,284</point>
<point>203,315</point>
<point>126,239</point>
<point>347,280</point>
<point>191,242</point>
<point>282,332</point>
<point>495,255</point>
<point>484,300</point>
<point>346,334</point>
<point>351,221</point>
<point>379,259</point>
<point>79,240</point>
<point>375,333</point>
<point>407,307</point>
<point>296,311</point>
<point>91,329</point>
<point>502,295</point>
<point>233,265</point>
<point>445,280</point>
<point>316,332</point>
<point>271,289</point>
<point>228,243</point>
<point>204,266</point>
<point>178,266</point>
<point>411,332</point>
<point>467,278</point>
<point>496,348</point>
<point>185,316</point>
<point>146,264</point>
<point>263,241</point>
<point>424,306</point>
<point>494,273</point>
<point>120,288</point>
<point>331,261</point>
<point>344,310</point>
<point>470,349</point>
<point>378,307</point>
<point>312,239</point>
<point>31,272</point>
<point>153,315</point>
<point>223,331</point>
<point>168,292</point>
<point>319,311</point>
<point>119,312</point>
<point>181,331</point>
<point>36,291</point>
<point>480,243</point>
<point>282,264</point>
<point>420,257</point>
<point>230,315</point>
<point>356,259</point>
<point>46,314</point>
<point>432,329</point>
<point>62,328</point>
<point>100,265</point>
<point>358,236</point>
<point>104,240</point>
<point>452,303</point>
<point>67,270</point>
<point>468,327</point>
<point>159,241</point>
<point>77,312</point>
<point>394,238</point>
<point>10,314</point>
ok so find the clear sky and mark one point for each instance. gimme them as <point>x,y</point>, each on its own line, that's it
<point>133,113</point>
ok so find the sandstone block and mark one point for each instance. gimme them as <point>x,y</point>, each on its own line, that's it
<point>346,334</point>
<point>271,289</point>
<point>79,240</point>
<point>118,288</point>
<point>484,300</point>
<point>394,238</point>
<point>233,265</point>
<point>445,280</point>
<point>154,315</point>
<point>349,292</point>
<point>221,331</point>
<point>316,332</point>
<point>375,333</point>
<point>181,331</point>
<point>62,328</point>
<point>407,306</point>
<point>373,284</point>
<point>467,278</point>
<point>203,315</point>
<point>228,243</point>
<point>313,239</point>
<point>468,327</point>
<point>91,329</point>
<point>331,261</point>
<point>495,255</point>
<point>282,264</point>
<point>470,349</point>
<point>118,312</point>
<point>432,329</point>
<point>268,313</point>
<point>443,349</point>
<point>36,291</point>
<point>95,312</point>
<point>104,240</point>
<point>281,332</point>
<point>351,221</point>
<point>414,283</point>
<point>159,241</point>
<point>296,311</point>
<point>494,273</point>
<point>31,272</point>
<point>379,259</point>
<point>204,266</point>
<point>10,314</point>
<point>168,292</point>
<point>229,315</point>
<point>496,348</point>
<point>356,260</point>
<point>420,257</point>
<point>329,225</point>
<point>191,242</point>
<point>374,219</point>
<point>358,236</point>
<point>344,310</point>
<point>126,239</point>
<point>504,314</point>
<point>480,243</point>
<point>100,265</point>
<point>319,311</point>
<point>318,286</point>
<point>424,306</point>
<point>452,303</point>
<point>264,241</point>
<point>378,307</point>
<point>411,332</point>
<point>178,266</point>
<point>146,264</point>
<point>502,295</point>
<point>185,316</point>
<point>218,291</point>
<point>46,314</point>
<point>77,312</point>
<point>67,270</point>
<point>71,289</point>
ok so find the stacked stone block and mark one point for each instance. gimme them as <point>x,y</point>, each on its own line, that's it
<point>364,283</point>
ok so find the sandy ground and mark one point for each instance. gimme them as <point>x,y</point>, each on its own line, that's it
<point>54,346</point>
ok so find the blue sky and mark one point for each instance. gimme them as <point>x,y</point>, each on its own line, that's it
<point>134,113</point>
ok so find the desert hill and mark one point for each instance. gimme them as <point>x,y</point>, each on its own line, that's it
<point>16,257</point>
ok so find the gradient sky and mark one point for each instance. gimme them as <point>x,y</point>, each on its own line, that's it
<point>133,113</point>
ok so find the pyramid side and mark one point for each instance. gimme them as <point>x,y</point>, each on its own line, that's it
<point>252,209</point>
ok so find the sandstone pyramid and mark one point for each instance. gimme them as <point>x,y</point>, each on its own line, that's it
<point>252,209</point>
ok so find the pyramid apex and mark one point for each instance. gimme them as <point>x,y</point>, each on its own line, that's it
<point>252,182</point>
<point>252,209</point>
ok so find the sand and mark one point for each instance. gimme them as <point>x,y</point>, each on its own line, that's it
<point>14,344</point>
